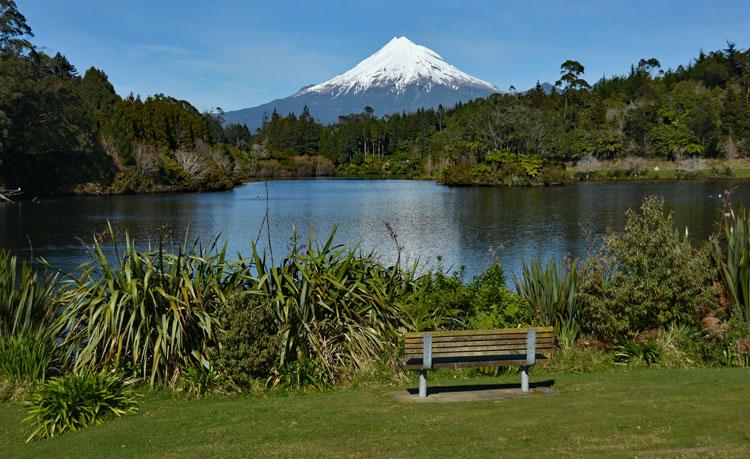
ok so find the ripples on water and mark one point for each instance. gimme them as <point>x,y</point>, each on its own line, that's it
<point>465,226</point>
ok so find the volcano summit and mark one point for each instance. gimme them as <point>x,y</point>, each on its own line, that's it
<point>401,77</point>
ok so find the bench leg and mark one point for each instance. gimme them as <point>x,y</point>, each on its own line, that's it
<point>524,379</point>
<point>423,384</point>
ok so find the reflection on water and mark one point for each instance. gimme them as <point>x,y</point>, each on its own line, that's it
<point>466,226</point>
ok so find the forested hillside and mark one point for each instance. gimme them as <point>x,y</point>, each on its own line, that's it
<point>62,132</point>
<point>695,112</point>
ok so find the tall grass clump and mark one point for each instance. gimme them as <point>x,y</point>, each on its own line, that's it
<point>28,301</point>
<point>552,289</point>
<point>149,312</point>
<point>76,401</point>
<point>27,297</point>
<point>27,356</point>
<point>337,309</point>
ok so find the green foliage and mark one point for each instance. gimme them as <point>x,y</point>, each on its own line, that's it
<point>439,301</point>
<point>250,344</point>
<point>580,358</point>
<point>683,346</point>
<point>149,313</point>
<point>199,381</point>
<point>732,254</point>
<point>492,305</point>
<point>28,356</point>
<point>553,292</point>
<point>334,306</point>
<point>28,303</point>
<point>76,401</point>
<point>646,278</point>
<point>301,374</point>
<point>442,301</point>
<point>27,297</point>
<point>633,352</point>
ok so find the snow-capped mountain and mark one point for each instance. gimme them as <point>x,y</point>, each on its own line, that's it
<point>396,66</point>
<point>401,77</point>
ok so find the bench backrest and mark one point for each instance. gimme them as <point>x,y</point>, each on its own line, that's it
<point>477,348</point>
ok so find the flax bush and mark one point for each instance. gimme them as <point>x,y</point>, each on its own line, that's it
<point>149,312</point>
<point>338,310</point>
<point>732,254</point>
<point>76,401</point>
<point>552,290</point>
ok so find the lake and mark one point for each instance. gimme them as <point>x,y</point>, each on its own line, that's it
<point>465,226</point>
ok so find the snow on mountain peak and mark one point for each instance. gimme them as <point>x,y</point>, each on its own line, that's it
<point>398,64</point>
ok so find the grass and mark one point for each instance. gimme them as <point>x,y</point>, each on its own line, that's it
<point>648,412</point>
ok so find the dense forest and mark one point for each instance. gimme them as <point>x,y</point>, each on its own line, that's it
<point>62,132</point>
<point>65,132</point>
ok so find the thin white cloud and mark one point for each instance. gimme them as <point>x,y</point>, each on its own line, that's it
<point>147,49</point>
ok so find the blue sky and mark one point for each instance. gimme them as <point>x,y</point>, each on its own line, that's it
<point>236,54</point>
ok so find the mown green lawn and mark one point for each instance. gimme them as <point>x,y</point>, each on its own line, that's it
<point>697,412</point>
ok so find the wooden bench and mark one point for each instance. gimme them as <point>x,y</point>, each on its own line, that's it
<point>522,347</point>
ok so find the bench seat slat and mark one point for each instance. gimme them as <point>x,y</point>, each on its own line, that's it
<point>497,342</point>
<point>484,337</point>
<point>485,349</point>
<point>498,331</point>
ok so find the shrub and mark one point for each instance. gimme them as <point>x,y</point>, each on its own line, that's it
<point>313,166</point>
<point>76,401</point>
<point>492,305</point>
<point>442,301</point>
<point>682,346</point>
<point>646,278</point>
<point>150,313</point>
<point>249,340</point>
<point>439,301</point>
<point>13,389</point>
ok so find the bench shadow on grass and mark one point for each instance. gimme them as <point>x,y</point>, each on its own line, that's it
<point>480,387</point>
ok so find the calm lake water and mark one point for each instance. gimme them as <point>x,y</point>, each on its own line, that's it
<point>464,226</point>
